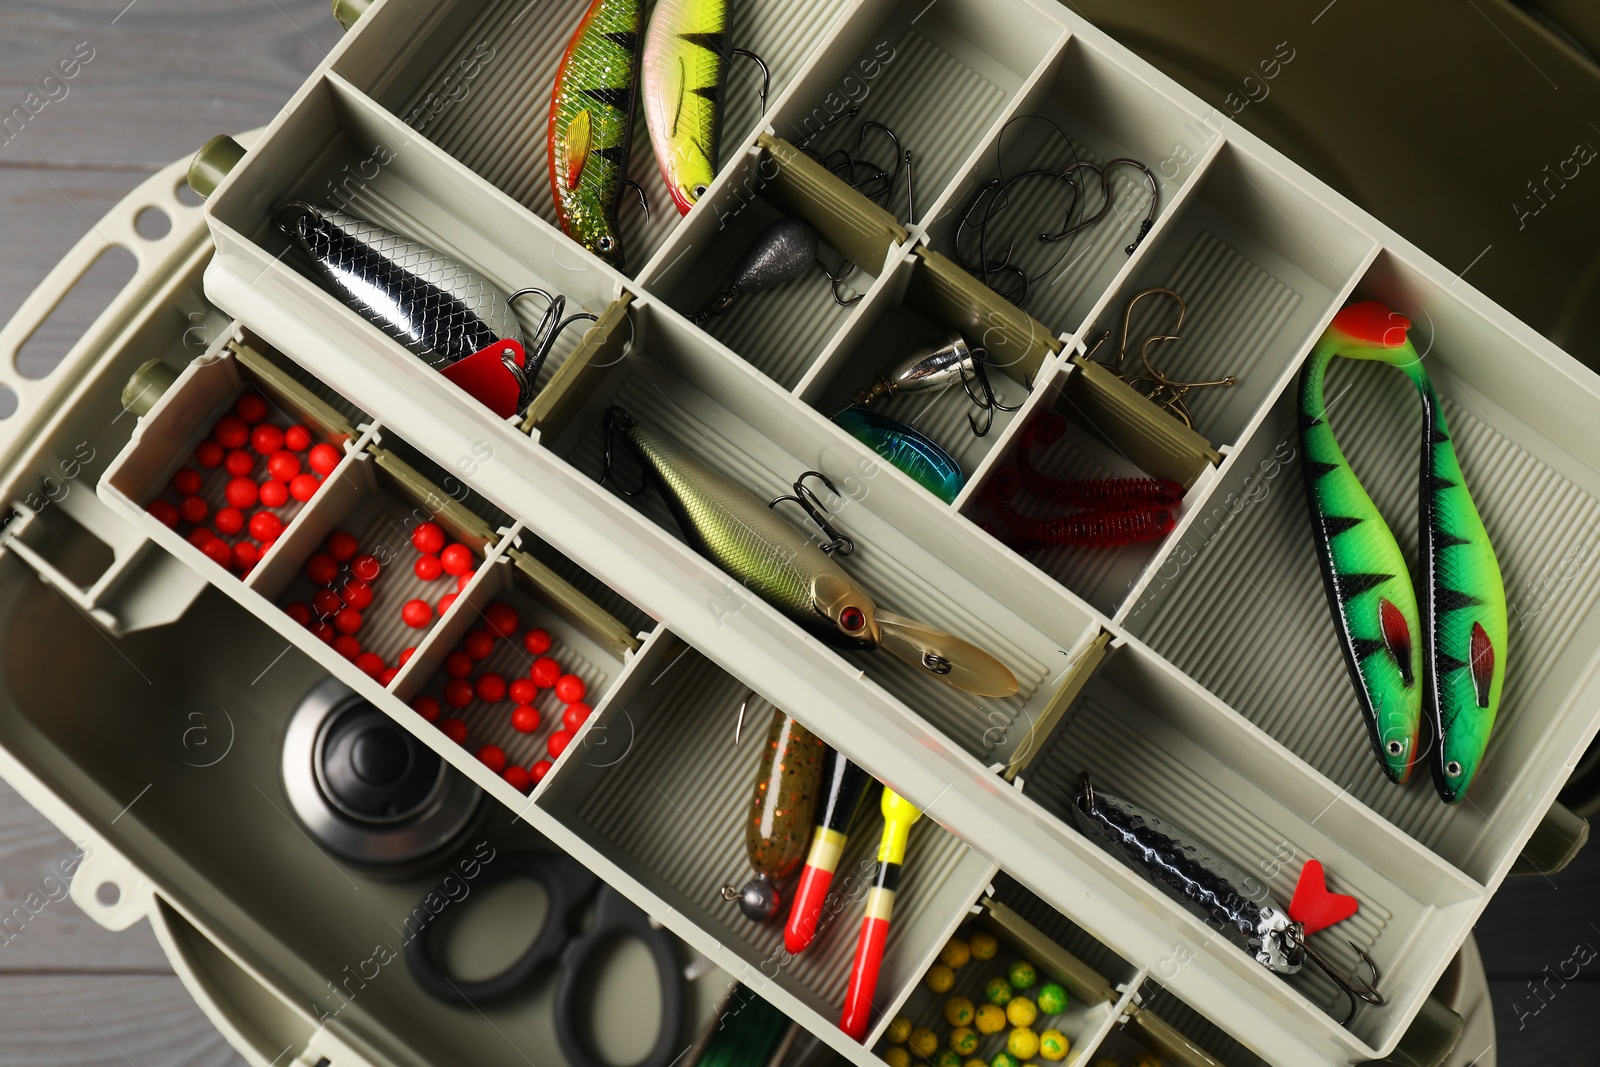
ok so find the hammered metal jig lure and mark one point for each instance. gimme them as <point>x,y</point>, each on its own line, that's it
<point>1166,393</point>
<point>1213,888</point>
<point>1000,271</point>
<point>591,119</point>
<point>782,252</point>
<point>748,539</point>
<point>937,366</point>
<point>682,76</point>
<point>1455,672</point>
<point>441,310</point>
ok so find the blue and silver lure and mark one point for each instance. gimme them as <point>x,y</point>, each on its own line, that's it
<point>928,465</point>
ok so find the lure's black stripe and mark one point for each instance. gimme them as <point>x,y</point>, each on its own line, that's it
<point>1315,470</point>
<point>1455,600</point>
<point>712,93</point>
<point>619,98</point>
<point>1353,585</point>
<point>1338,524</point>
<point>1366,646</point>
<point>627,40</point>
<point>1308,422</point>
<point>711,42</point>
<point>616,155</point>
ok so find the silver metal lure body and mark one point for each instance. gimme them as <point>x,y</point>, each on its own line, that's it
<point>437,307</point>
<point>937,366</point>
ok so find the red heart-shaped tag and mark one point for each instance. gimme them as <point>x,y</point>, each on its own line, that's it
<point>1313,906</point>
<point>483,374</point>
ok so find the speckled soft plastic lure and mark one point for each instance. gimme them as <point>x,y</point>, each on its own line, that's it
<point>683,64</point>
<point>591,111</point>
<point>1457,668</point>
<point>928,465</point>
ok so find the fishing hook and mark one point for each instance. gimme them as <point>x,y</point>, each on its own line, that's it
<point>1361,991</point>
<point>813,507</point>
<point>542,342</point>
<point>838,275</point>
<point>766,75</point>
<point>638,191</point>
<point>617,419</point>
<point>988,403</point>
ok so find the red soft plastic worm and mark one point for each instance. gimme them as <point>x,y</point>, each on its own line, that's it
<point>1100,494</point>
<point>1094,529</point>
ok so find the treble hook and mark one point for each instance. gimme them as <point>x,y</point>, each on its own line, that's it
<point>543,341</point>
<point>1366,992</point>
<point>838,275</point>
<point>766,75</point>
<point>617,419</point>
<point>988,403</point>
<point>813,507</point>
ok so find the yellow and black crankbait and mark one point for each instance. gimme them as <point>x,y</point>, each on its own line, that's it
<point>744,536</point>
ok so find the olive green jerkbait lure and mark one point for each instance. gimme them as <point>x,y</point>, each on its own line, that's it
<point>744,536</point>
<point>1456,671</point>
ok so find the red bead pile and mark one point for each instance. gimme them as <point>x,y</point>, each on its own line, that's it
<point>466,683</point>
<point>259,468</point>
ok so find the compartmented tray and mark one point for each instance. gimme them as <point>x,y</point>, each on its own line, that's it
<point>1159,655</point>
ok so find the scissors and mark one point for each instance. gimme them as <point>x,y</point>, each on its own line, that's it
<point>568,885</point>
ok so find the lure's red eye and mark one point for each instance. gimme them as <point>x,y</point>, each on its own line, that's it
<point>852,619</point>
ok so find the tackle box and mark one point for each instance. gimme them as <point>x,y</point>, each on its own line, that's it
<point>1196,675</point>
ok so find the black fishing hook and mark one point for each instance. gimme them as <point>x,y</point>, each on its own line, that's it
<point>813,507</point>
<point>616,419</point>
<point>988,403</point>
<point>1361,991</point>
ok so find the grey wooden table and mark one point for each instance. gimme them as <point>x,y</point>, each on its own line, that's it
<point>164,76</point>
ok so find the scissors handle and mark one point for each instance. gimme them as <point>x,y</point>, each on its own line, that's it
<point>617,918</point>
<point>565,882</point>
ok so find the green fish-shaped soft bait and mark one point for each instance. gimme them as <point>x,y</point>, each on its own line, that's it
<point>1456,672</point>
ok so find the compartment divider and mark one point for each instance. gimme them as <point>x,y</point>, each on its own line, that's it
<point>890,286</point>
<point>574,380</point>
<point>1047,384</point>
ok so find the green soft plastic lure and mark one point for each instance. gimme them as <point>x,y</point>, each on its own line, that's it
<point>906,448</point>
<point>1457,669</point>
<point>591,115</point>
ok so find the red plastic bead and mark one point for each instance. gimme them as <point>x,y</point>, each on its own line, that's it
<point>357,594</point>
<point>405,656</point>
<point>208,454</point>
<point>201,536</point>
<point>193,509</point>
<point>283,465</point>
<point>165,513</point>
<point>304,486</point>
<point>342,546</point>
<point>365,567</point>
<point>428,537</point>
<point>324,632</point>
<point>558,743</point>
<point>388,675</point>
<point>267,528</point>
<point>478,644</point>
<point>491,687</point>
<point>539,770</point>
<point>502,619</point>
<point>187,481</point>
<point>231,432</point>
<point>347,646</point>
<point>462,580</point>
<point>416,613</point>
<point>427,707</point>
<point>218,550</point>
<point>320,568</point>
<point>229,521</point>
<point>545,672</point>
<point>297,438</point>
<point>347,621</point>
<point>570,689</point>
<point>299,611</point>
<point>458,664</point>
<point>455,730</point>
<point>326,603</point>
<point>518,778</point>
<point>242,492</point>
<point>445,602</point>
<point>274,494</point>
<point>323,458</point>
<point>492,757</point>
<point>370,664</point>
<point>456,559</point>
<point>427,568</point>
<point>575,715</point>
<point>522,691</point>
<point>245,556</point>
<point>458,692</point>
<point>536,641</point>
<point>251,407</point>
<point>266,439</point>
<point>525,718</point>
<point>240,463</point>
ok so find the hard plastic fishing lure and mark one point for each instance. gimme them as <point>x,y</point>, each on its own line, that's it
<point>1456,669</point>
<point>928,465</point>
<point>591,114</point>
<point>744,536</point>
<point>683,64</point>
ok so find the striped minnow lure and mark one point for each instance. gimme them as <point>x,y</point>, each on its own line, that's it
<point>1456,672</point>
<point>682,81</point>
<point>591,112</point>
<point>746,537</point>
<point>906,448</point>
